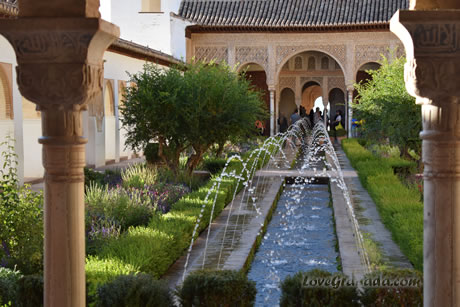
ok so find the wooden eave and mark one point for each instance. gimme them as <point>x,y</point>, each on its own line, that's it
<point>367,27</point>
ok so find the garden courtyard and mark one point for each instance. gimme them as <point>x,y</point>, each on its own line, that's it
<point>270,166</point>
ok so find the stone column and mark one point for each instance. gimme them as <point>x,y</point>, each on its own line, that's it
<point>432,76</point>
<point>59,46</point>
<point>325,91</point>
<point>272,111</point>
<point>350,90</point>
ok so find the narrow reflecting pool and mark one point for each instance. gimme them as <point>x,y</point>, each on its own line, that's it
<point>300,237</point>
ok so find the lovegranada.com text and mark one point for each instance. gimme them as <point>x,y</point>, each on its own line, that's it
<point>377,282</point>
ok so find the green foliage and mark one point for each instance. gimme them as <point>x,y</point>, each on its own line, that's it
<point>21,219</point>
<point>405,295</point>
<point>192,106</point>
<point>8,285</point>
<point>138,176</point>
<point>399,206</point>
<point>301,290</point>
<point>101,271</point>
<point>151,153</point>
<point>213,165</point>
<point>388,110</point>
<point>30,291</point>
<point>133,291</point>
<point>217,288</point>
<point>125,207</point>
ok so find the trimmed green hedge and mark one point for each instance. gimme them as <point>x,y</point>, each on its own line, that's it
<point>212,288</point>
<point>399,206</point>
<point>154,248</point>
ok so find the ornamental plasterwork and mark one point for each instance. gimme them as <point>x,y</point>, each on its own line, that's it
<point>336,82</point>
<point>288,82</point>
<point>336,51</point>
<point>207,54</point>
<point>369,53</point>
<point>258,55</point>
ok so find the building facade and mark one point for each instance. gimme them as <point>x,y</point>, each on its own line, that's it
<point>296,50</point>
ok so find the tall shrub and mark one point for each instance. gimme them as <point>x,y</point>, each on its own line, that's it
<point>389,112</point>
<point>195,105</point>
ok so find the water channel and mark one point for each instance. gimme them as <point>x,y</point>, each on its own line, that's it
<point>300,237</point>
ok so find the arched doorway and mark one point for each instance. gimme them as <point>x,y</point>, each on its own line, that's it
<point>110,125</point>
<point>310,92</point>
<point>337,102</point>
<point>312,75</point>
<point>287,104</point>
<point>258,77</point>
<point>362,75</point>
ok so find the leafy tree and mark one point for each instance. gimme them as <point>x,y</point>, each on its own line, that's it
<point>389,112</point>
<point>221,106</point>
<point>194,105</point>
<point>152,110</point>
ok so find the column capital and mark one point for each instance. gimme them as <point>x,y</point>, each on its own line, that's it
<point>431,40</point>
<point>350,88</point>
<point>272,88</point>
<point>59,59</point>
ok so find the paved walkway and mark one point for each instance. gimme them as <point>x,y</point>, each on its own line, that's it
<point>369,218</point>
<point>114,166</point>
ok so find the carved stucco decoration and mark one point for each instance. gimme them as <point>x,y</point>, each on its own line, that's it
<point>336,82</point>
<point>60,68</point>
<point>284,52</point>
<point>369,53</point>
<point>258,55</point>
<point>288,82</point>
<point>52,66</point>
<point>211,53</point>
<point>435,66</point>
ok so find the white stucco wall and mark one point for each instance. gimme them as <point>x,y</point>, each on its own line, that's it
<point>111,134</point>
<point>178,40</point>
<point>33,167</point>
<point>7,55</point>
<point>105,8</point>
<point>149,29</point>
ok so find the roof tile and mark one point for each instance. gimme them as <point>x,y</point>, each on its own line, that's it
<point>289,13</point>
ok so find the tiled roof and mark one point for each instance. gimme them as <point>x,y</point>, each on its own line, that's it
<point>289,13</point>
<point>142,52</point>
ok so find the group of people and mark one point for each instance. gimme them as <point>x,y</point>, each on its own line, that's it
<point>314,117</point>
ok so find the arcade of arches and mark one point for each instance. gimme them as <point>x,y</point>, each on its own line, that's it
<point>291,60</point>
